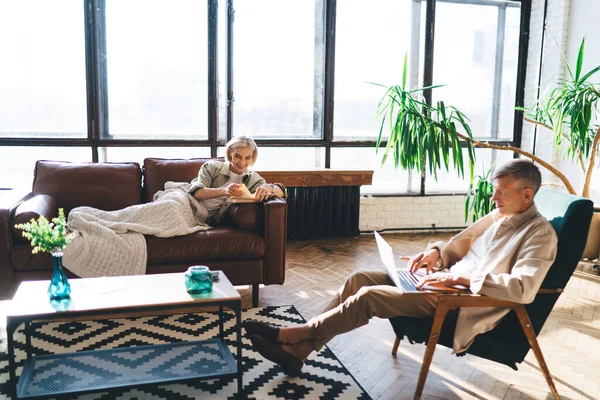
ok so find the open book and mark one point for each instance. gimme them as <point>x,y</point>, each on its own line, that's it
<point>247,197</point>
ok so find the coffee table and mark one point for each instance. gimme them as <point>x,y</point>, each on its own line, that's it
<point>121,297</point>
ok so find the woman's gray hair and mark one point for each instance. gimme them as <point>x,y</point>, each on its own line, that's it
<point>522,170</point>
<point>239,142</point>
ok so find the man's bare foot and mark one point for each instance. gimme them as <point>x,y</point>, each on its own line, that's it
<point>294,334</point>
<point>301,349</point>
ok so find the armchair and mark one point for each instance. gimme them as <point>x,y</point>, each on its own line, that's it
<point>509,342</point>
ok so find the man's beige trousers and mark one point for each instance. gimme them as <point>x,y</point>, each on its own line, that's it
<point>365,295</point>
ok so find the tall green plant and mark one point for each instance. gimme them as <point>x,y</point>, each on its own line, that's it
<point>479,198</point>
<point>571,111</point>
<point>422,136</point>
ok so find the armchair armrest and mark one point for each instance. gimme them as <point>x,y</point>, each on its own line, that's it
<point>275,225</point>
<point>450,301</point>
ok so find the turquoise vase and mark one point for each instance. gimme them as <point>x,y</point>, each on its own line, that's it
<point>59,285</point>
<point>198,279</point>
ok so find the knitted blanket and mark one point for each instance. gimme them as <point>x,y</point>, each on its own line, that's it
<point>112,242</point>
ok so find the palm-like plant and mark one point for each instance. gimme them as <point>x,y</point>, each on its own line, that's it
<point>422,135</point>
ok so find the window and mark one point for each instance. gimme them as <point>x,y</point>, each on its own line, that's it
<point>372,54</point>
<point>138,154</point>
<point>17,168</point>
<point>476,49</point>
<point>278,69</point>
<point>130,79</point>
<point>157,72</point>
<point>42,72</point>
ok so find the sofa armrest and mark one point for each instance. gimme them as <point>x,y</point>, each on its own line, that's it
<point>9,201</point>
<point>33,208</point>
<point>275,225</point>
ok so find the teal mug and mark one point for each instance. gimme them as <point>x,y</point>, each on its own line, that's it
<point>198,279</point>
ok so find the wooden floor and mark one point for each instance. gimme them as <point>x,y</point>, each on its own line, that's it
<point>570,340</point>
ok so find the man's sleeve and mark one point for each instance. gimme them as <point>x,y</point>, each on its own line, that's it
<point>454,250</point>
<point>204,179</point>
<point>533,260</point>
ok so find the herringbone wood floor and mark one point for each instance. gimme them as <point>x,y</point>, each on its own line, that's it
<point>570,340</point>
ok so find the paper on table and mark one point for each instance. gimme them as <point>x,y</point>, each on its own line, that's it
<point>102,284</point>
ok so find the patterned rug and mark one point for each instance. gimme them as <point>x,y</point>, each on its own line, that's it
<point>323,376</point>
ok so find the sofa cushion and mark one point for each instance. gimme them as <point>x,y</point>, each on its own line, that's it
<point>33,208</point>
<point>107,186</point>
<point>158,171</point>
<point>221,243</point>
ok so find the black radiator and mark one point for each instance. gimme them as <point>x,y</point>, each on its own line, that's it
<point>323,212</point>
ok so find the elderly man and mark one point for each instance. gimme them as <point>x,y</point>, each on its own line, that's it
<point>505,255</point>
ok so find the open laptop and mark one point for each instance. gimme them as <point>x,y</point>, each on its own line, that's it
<point>404,279</point>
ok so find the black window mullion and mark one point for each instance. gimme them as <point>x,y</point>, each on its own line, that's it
<point>522,71</point>
<point>213,81</point>
<point>330,15</point>
<point>97,75</point>
<point>230,98</point>
<point>428,63</point>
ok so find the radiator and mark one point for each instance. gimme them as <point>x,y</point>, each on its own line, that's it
<point>323,212</point>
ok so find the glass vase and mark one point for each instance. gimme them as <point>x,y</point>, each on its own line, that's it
<point>59,285</point>
<point>198,279</point>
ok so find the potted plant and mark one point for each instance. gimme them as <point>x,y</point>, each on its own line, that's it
<point>427,136</point>
<point>51,237</point>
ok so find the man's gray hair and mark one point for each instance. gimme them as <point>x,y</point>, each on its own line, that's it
<point>522,170</point>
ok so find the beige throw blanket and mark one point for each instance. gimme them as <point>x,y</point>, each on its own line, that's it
<point>112,242</point>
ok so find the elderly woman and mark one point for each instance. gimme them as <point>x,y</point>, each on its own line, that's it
<point>218,180</point>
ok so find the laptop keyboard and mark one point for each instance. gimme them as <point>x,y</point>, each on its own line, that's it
<point>408,280</point>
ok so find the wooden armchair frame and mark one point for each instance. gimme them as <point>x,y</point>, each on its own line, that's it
<point>453,301</point>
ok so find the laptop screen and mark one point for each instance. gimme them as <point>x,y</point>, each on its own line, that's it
<point>387,257</point>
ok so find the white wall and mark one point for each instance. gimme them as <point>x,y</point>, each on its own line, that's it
<point>406,213</point>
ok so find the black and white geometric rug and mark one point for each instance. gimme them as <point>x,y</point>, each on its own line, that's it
<point>322,377</point>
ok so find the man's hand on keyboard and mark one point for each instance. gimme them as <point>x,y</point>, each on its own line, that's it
<point>442,280</point>
<point>426,259</point>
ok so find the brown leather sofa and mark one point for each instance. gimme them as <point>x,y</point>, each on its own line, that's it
<point>249,246</point>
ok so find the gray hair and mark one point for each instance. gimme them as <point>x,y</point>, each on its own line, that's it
<point>239,142</point>
<point>523,171</point>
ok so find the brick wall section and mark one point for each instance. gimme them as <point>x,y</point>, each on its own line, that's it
<point>408,213</point>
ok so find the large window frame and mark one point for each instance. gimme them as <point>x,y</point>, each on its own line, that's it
<point>98,137</point>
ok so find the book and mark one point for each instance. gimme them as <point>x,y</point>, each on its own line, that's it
<point>246,197</point>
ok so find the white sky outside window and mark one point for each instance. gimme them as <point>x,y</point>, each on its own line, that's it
<point>373,52</point>
<point>157,64</point>
<point>42,69</point>
<point>386,179</point>
<point>18,173</point>
<point>138,154</point>
<point>274,69</point>
<point>464,61</point>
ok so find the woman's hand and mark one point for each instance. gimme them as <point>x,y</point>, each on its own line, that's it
<point>233,189</point>
<point>263,192</point>
<point>425,259</point>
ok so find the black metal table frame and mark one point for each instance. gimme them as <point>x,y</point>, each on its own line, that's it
<point>13,322</point>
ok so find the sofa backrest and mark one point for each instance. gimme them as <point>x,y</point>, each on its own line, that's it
<point>107,186</point>
<point>158,171</point>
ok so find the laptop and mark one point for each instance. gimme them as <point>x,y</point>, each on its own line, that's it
<point>404,279</point>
